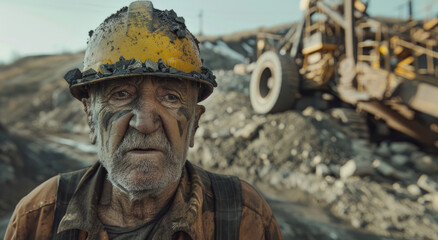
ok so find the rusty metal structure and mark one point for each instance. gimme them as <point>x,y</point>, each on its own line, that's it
<point>385,67</point>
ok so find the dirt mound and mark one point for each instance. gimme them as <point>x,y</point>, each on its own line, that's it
<point>33,90</point>
<point>26,161</point>
<point>386,189</point>
<point>224,52</point>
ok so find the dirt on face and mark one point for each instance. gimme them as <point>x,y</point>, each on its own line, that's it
<point>143,128</point>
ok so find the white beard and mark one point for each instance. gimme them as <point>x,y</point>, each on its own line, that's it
<point>121,169</point>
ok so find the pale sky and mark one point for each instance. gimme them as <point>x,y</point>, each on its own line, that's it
<point>30,27</point>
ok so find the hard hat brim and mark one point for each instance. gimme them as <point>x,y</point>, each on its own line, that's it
<point>79,90</point>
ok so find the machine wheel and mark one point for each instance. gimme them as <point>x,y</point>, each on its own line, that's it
<point>274,83</point>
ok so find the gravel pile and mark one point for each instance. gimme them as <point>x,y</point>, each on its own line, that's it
<point>389,189</point>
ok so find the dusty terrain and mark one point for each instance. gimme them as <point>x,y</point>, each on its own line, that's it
<point>322,180</point>
<point>385,189</point>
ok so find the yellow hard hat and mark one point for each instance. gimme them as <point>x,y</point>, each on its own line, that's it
<point>141,40</point>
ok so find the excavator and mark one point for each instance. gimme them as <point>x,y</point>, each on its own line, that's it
<point>385,68</point>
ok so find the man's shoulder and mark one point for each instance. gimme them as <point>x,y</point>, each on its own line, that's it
<point>251,198</point>
<point>41,196</point>
<point>256,219</point>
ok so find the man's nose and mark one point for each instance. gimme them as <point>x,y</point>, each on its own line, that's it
<point>145,119</point>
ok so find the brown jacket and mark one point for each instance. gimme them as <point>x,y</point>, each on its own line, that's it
<point>190,216</point>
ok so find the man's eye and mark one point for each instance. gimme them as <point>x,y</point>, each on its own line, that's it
<point>171,98</point>
<point>121,95</point>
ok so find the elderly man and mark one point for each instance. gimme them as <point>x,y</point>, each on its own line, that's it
<point>141,84</point>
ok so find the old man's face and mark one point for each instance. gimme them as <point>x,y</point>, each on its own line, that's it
<point>143,128</point>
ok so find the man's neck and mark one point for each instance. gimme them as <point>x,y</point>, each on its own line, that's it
<point>117,208</point>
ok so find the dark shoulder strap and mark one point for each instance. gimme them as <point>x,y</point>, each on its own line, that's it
<point>227,192</point>
<point>67,184</point>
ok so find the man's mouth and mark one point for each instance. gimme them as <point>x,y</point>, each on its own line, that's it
<point>147,150</point>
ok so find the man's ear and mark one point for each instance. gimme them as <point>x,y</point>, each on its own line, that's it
<point>199,110</point>
<point>87,108</point>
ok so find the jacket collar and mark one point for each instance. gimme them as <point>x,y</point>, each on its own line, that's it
<point>184,214</point>
<point>81,212</point>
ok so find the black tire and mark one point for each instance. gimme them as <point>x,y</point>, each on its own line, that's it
<point>274,83</point>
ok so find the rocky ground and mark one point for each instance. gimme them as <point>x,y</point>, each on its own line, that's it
<point>321,178</point>
<point>388,188</point>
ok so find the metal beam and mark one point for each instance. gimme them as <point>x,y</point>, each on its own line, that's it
<point>409,127</point>
<point>349,29</point>
<point>335,16</point>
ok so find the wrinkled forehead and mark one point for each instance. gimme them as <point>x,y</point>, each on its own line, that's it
<point>186,86</point>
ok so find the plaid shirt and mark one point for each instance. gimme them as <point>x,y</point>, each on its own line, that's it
<point>190,216</point>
